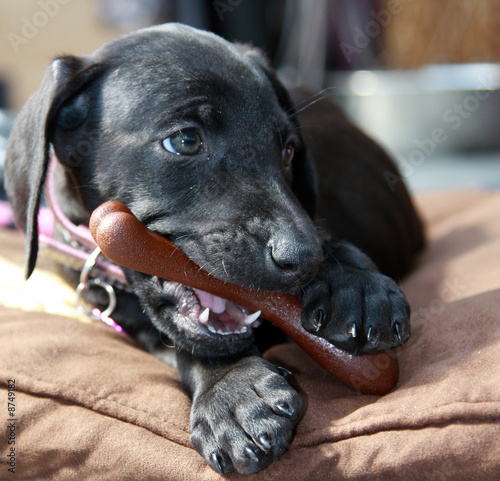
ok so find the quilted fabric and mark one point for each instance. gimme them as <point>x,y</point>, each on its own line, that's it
<point>90,404</point>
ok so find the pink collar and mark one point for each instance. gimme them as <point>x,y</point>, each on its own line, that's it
<point>81,253</point>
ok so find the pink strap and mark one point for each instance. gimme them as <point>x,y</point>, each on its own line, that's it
<point>78,232</point>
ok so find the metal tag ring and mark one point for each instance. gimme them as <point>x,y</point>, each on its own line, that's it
<point>89,265</point>
<point>84,286</point>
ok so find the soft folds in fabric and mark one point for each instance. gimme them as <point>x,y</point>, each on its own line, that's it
<point>91,404</point>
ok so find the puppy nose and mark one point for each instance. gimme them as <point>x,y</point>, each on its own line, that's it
<point>295,258</point>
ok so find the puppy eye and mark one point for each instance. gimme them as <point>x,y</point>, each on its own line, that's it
<point>184,142</point>
<point>287,154</point>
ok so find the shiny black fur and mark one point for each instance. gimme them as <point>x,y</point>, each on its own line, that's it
<point>235,208</point>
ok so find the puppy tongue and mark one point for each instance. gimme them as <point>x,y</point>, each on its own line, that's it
<point>214,303</point>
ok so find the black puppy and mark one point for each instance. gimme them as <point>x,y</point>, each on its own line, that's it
<point>200,140</point>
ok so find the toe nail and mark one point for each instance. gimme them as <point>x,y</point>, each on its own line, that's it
<point>284,408</point>
<point>217,460</point>
<point>284,371</point>
<point>397,332</point>
<point>372,334</point>
<point>251,454</point>
<point>265,441</point>
<point>318,319</point>
<point>352,330</point>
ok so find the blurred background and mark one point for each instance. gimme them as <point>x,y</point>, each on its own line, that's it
<point>421,77</point>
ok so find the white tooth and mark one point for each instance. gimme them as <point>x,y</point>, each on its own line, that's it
<point>252,317</point>
<point>242,330</point>
<point>204,316</point>
<point>212,329</point>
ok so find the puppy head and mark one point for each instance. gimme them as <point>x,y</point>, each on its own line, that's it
<point>198,138</point>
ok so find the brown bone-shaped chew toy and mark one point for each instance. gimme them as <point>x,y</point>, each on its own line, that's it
<point>124,240</point>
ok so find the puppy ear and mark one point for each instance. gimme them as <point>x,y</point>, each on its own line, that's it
<point>28,150</point>
<point>304,184</point>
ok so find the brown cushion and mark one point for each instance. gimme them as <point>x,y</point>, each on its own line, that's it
<point>91,405</point>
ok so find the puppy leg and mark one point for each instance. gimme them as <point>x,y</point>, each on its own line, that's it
<point>243,412</point>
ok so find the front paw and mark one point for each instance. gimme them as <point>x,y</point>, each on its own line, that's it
<point>357,310</point>
<point>245,420</point>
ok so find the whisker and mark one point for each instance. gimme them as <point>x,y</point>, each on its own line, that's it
<point>185,236</point>
<point>304,126</point>
<point>309,105</point>
<point>302,102</point>
<point>279,133</point>
<point>319,222</point>
<point>338,262</point>
<point>224,267</point>
<point>180,254</point>
<point>311,100</point>
<point>320,231</point>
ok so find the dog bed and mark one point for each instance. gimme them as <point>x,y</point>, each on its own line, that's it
<point>90,404</point>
